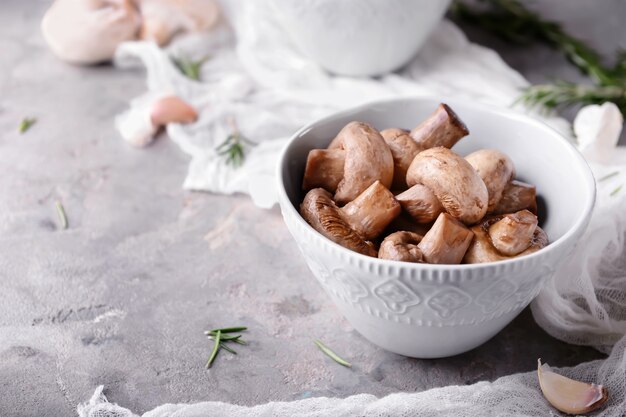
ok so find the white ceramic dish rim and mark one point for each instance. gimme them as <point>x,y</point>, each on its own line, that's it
<point>580,222</point>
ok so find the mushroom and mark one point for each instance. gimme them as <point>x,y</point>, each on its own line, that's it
<point>372,211</point>
<point>446,242</point>
<point>139,125</point>
<point>458,187</point>
<point>442,128</point>
<point>89,31</point>
<point>351,226</point>
<point>517,196</point>
<point>324,169</point>
<point>367,158</point>
<point>497,171</point>
<point>420,203</point>
<point>401,246</point>
<point>162,19</point>
<point>504,237</point>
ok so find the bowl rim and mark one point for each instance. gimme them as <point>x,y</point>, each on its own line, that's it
<point>579,225</point>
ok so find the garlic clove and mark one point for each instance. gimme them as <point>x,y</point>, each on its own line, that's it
<point>568,395</point>
<point>172,110</point>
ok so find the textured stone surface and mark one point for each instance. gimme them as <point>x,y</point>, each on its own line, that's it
<point>121,297</point>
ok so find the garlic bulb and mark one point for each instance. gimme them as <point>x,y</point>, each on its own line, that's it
<point>89,31</point>
<point>162,19</point>
<point>568,395</point>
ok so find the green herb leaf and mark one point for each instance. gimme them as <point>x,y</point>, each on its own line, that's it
<point>611,175</point>
<point>216,347</point>
<point>512,21</point>
<point>331,354</point>
<point>228,330</point>
<point>223,346</point>
<point>61,214</point>
<point>233,148</point>
<point>615,191</point>
<point>26,124</point>
<point>188,67</point>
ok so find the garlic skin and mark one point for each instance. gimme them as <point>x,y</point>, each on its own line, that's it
<point>568,395</point>
<point>89,31</point>
<point>162,19</point>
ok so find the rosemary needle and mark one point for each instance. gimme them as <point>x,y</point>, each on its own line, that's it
<point>61,214</point>
<point>227,330</point>
<point>615,191</point>
<point>215,349</point>
<point>331,354</point>
<point>606,177</point>
<point>223,346</point>
<point>26,124</point>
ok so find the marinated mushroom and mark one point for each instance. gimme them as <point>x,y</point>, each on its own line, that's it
<point>324,169</point>
<point>446,242</point>
<point>420,203</point>
<point>498,172</point>
<point>458,187</point>
<point>401,246</point>
<point>89,31</point>
<point>367,159</point>
<point>357,222</point>
<point>504,237</point>
<point>442,128</point>
<point>517,196</point>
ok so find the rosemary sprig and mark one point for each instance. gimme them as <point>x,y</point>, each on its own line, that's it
<point>188,67</point>
<point>563,94</point>
<point>61,214</point>
<point>615,191</point>
<point>26,124</point>
<point>220,339</point>
<point>328,352</point>
<point>607,176</point>
<point>234,147</point>
<point>216,348</point>
<point>512,21</point>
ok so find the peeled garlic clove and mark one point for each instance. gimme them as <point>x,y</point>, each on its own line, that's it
<point>172,110</point>
<point>568,395</point>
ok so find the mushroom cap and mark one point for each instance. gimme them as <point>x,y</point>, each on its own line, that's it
<point>482,250</point>
<point>459,188</point>
<point>513,233</point>
<point>368,159</point>
<point>403,149</point>
<point>496,169</point>
<point>89,31</point>
<point>517,196</point>
<point>320,211</point>
<point>401,246</point>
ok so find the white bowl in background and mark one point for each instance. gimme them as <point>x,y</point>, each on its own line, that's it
<point>429,311</point>
<point>359,37</point>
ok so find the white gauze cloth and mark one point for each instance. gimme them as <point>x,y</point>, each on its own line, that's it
<point>271,90</point>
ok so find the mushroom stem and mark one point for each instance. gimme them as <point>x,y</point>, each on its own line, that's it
<point>420,203</point>
<point>403,149</point>
<point>513,233</point>
<point>320,211</point>
<point>446,242</point>
<point>401,246</point>
<point>517,196</point>
<point>442,128</point>
<point>324,169</point>
<point>372,211</point>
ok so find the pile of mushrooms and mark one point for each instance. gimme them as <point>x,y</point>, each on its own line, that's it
<point>406,196</point>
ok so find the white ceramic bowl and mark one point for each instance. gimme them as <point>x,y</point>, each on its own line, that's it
<point>359,37</point>
<point>429,311</point>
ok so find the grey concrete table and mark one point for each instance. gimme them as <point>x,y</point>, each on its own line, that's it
<point>122,296</point>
